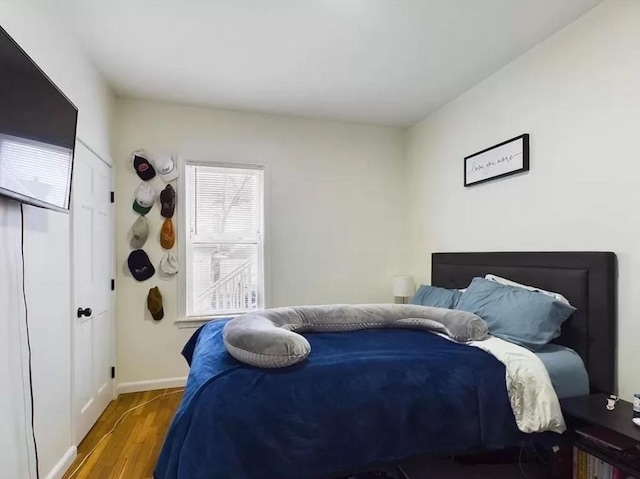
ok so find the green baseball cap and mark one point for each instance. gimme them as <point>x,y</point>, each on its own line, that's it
<point>144,198</point>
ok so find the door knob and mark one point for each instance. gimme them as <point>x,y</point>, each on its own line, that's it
<point>84,312</point>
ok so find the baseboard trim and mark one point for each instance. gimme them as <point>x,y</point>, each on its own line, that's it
<point>137,386</point>
<point>63,464</point>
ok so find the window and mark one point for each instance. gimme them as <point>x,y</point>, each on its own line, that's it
<point>224,249</point>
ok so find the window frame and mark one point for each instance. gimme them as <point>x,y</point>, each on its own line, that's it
<point>184,321</point>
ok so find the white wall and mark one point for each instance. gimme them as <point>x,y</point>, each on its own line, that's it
<point>336,210</point>
<point>37,28</point>
<point>15,408</point>
<point>578,95</point>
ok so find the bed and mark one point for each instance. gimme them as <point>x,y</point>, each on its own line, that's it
<point>377,396</point>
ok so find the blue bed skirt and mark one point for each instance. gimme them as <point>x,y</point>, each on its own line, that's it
<point>363,397</point>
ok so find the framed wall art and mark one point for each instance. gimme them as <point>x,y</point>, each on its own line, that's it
<point>504,159</point>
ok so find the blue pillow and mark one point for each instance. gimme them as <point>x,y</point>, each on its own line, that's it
<point>437,297</point>
<point>527,318</point>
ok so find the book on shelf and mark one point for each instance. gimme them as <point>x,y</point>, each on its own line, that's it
<point>588,466</point>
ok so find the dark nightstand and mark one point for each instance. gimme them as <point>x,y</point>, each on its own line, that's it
<point>588,413</point>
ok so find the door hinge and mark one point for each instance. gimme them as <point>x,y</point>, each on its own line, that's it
<point>113,285</point>
<point>113,372</point>
<point>113,197</point>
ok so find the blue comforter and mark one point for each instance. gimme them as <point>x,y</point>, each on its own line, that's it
<point>361,398</point>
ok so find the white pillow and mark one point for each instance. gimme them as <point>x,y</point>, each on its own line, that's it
<point>508,282</point>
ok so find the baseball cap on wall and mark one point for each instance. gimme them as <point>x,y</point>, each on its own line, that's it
<point>167,234</point>
<point>144,198</point>
<point>139,232</point>
<point>154,304</point>
<point>142,165</point>
<point>168,201</point>
<point>140,265</point>
<point>168,266</point>
<point>167,168</point>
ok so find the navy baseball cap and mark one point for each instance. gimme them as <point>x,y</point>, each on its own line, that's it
<point>142,165</point>
<point>140,266</point>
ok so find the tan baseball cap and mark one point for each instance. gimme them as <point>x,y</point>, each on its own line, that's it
<point>139,232</point>
<point>154,303</point>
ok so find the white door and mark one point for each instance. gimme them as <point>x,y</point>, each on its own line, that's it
<point>92,253</point>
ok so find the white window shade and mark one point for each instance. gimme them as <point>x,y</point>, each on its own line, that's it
<point>32,169</point>
<point>224,244</point>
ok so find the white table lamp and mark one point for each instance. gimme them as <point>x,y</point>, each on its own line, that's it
<point>403,287</point>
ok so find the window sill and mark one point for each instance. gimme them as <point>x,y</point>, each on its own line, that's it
<point>193,322</point>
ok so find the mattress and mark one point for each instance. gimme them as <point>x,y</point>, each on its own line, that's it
<point>566,370</point>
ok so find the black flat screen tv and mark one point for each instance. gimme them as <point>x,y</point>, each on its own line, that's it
<point>37,132</point>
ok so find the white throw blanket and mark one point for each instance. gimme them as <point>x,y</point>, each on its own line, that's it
<point>534,402</point>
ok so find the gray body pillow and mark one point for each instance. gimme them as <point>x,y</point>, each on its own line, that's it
<point>270,338</point>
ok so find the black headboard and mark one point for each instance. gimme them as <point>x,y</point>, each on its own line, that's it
<point>586,279</point>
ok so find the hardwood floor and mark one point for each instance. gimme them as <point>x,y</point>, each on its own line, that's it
<point>131,451</point>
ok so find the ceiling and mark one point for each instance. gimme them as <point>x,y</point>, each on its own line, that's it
<point>388,62</point>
